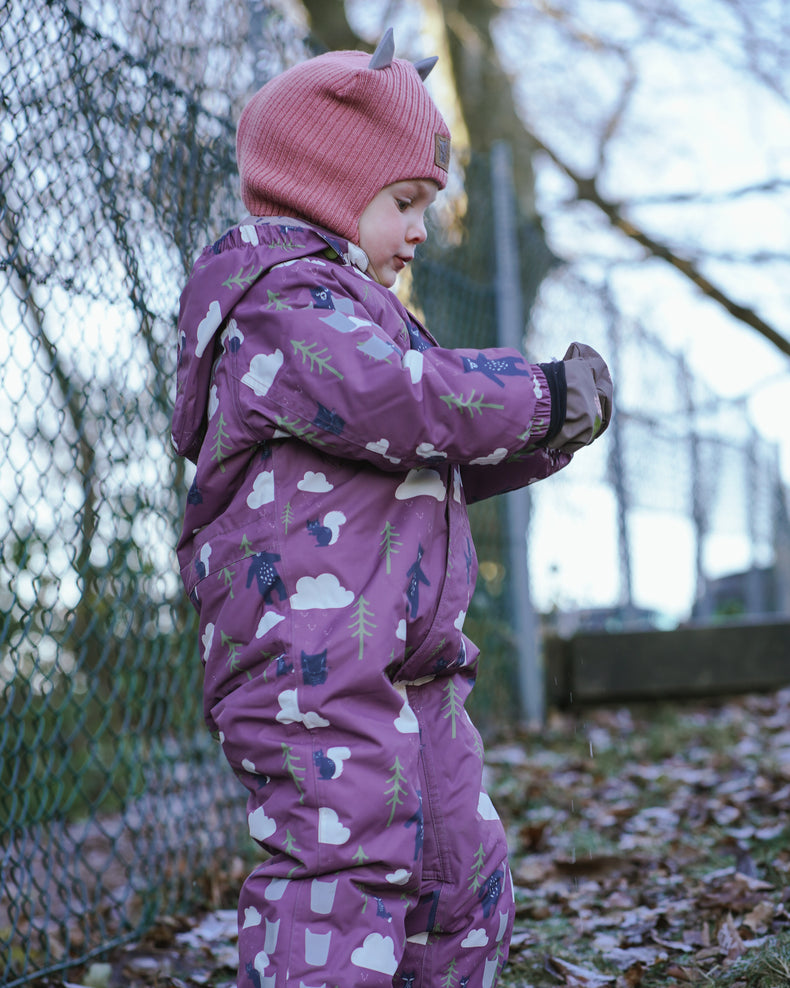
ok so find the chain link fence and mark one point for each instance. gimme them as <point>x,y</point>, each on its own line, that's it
<point>115,805</point>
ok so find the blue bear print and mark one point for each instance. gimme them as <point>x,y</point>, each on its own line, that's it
<point>268,579</point>
<point>490,892</point>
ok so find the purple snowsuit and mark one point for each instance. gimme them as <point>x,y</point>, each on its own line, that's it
<point>327,548</point>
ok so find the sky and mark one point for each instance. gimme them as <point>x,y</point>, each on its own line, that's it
<point>697,128</point>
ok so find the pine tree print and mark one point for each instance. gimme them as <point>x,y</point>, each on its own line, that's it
<point>471,404</point>
<point>226,575</point>
<point>390,545</point>
<point>476,877</point>
<point>478,742</point>
<point>274,301</point>
<point>361,625</point>
<point>243,279</point>
<point>449,977</point>
<point>316,360</point>
<point>290,844</point>
<point>267,658</point>
<point>285,243</point>
<point>359,856</point>
<point>441,644</point>
<point>305,431</point>
<point>396,790</point>
<point>287,516</point>
<point>245,546</point>
<point>220,444</point>
<point>452,704</point>
<point>294,769</point>
<point>233,652</point>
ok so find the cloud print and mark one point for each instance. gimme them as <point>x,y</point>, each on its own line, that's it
<point>399,877</point>
<point>315,483</point>
<point>458,624</point>
<point>262,372</point>
<point>427,450</point>
<point>419,483</point>
<point>207,327</point>
<point>322,591</point>
<point>486,808</point>
<point>475,938</point>
<point>406,721</point>
<point>267,622</point>
<point>412,362</point>
<point>213,401</point>
<point>262,490</point>
<point>261,826</point>
<point>251,917</point>
<point>208,638</point>
<point>377,953</point>
<point>496,457</point>
<point>291,714</point>
<point>330,829</point>
<point>381,446</point>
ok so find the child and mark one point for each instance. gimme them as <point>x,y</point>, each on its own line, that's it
<point>326,543</point>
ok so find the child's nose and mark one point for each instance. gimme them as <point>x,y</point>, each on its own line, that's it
<point>417,232</point>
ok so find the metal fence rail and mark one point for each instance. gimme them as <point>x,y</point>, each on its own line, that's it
<point>113,801</point>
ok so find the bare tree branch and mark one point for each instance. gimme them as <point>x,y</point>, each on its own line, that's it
<point>587,191</point>
<point>703,198</point>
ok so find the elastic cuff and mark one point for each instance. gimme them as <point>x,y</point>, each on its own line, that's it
<point>555,378</point>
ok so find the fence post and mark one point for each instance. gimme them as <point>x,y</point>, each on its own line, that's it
<point>703,603</point>
<point>617,468</point>
<point>510,333</point>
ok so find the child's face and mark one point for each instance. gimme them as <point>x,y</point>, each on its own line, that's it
<point>392,226</point>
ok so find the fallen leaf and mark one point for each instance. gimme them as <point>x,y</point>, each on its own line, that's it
<point>759,918</point>
<point>631,978</point>
<point>729,939</point>
<point>576,976</point>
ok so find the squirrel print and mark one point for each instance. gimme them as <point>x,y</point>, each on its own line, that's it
<point>327,532</point>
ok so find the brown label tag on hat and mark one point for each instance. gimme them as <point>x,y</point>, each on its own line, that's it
<point>441,155</point>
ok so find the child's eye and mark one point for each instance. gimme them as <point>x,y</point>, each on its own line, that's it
<point>403,204</point>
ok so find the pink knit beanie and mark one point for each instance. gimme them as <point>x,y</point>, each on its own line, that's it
<point>321,140</point>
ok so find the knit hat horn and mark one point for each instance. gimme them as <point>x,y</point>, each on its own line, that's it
<point>323,138</point>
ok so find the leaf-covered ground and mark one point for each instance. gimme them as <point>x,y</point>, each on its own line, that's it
<point>650,847</point>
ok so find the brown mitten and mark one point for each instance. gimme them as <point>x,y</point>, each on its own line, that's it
<point>588,399</point>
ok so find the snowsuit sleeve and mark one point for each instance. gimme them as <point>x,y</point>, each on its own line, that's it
<point>328,357</point>
<point>523,468</point>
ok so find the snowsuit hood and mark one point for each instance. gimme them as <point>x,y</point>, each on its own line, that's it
<point>199,326</point>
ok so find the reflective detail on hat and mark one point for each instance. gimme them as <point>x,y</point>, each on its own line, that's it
<point>441,156</point>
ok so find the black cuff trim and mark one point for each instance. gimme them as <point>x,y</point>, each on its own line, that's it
<point>558,388</point>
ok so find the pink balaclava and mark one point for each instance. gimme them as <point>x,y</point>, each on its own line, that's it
<point>321,140</point>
